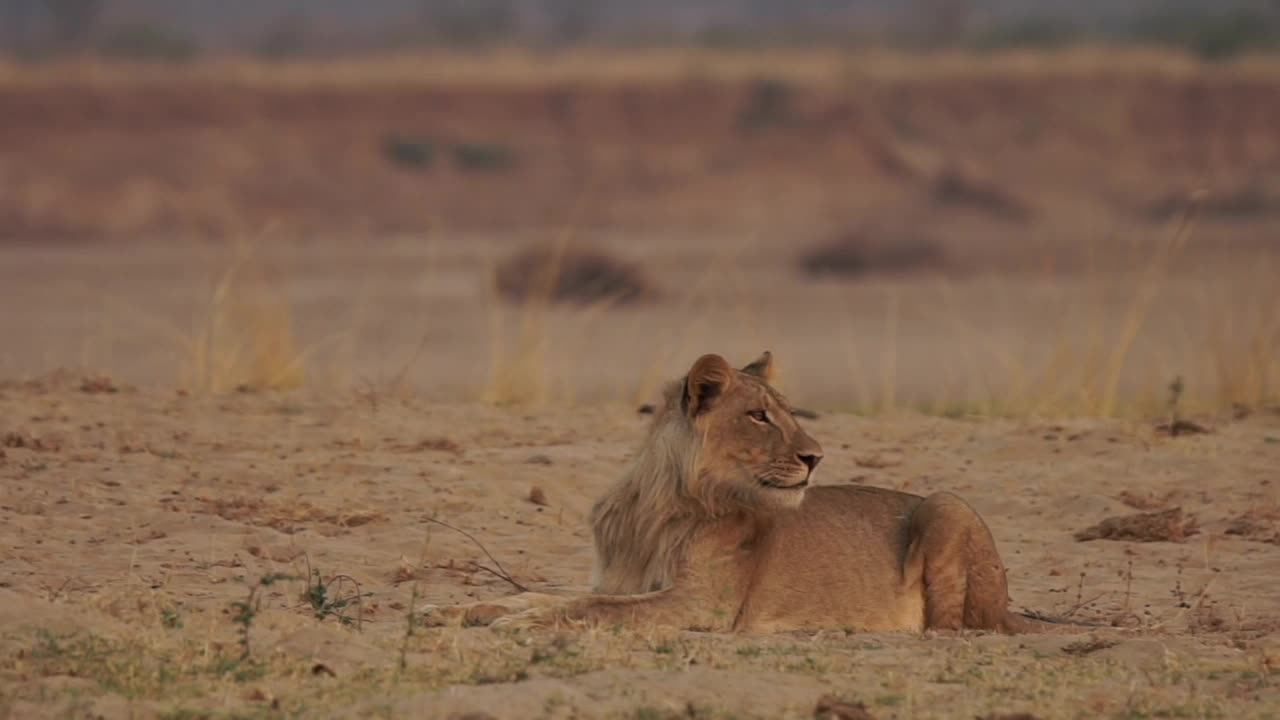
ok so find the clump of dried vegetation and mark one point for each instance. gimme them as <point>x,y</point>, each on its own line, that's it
<point>871,251</point>
<point>572,274</point>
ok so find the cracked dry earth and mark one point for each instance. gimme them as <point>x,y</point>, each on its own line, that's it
<point>135,524</point>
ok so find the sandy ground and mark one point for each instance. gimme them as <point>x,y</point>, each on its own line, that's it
<point>133,521</point>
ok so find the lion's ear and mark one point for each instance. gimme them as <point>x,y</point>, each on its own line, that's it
<point>761,367</point>
<point>709,377</point>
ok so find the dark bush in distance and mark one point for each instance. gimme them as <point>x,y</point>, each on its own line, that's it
<point>957,187</point>
<point>409,152</point>
<point>865,252</point>
<point>149,43</point>
<point>574,275</point>
<point>1243,202</point>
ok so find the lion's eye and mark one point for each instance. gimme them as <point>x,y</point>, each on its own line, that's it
<point>759,416</point>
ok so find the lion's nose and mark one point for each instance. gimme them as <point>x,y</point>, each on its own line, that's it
<point>810,460</point>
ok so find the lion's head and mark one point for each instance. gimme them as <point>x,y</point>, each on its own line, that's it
<point>725,441</point>
<point>751,450</point>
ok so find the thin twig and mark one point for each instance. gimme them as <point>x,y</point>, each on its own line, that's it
<point>500,572</point>
<point>1200,598</point>
<point>341,602</point>
<point>399,377</point>
<point>408,632</point>
<point>497,574</point>
<point>1081,604</point>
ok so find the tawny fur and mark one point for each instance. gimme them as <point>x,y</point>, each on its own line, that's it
<point>714,527</point>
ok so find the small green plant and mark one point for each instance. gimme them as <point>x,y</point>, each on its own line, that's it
<point>170,619</point>
<point>411,625</point>
<point>325,602</point>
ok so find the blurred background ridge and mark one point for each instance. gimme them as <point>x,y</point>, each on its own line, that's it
<point>949,206</point>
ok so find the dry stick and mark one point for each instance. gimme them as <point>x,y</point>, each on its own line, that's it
<point>1081,604</point>
<point>1128,587</point>
<point>394,385</point>
<point>359,598</point>
<point>500,572</point>
<point>1200,598</point>
<point>1080,601</point>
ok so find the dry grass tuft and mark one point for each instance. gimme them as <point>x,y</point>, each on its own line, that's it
<point>541,278</point>
<point>1165,526</point>
<point>246,341</point>
<point>1145,501</point>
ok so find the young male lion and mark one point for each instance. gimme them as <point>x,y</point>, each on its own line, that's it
<point>715,526</point>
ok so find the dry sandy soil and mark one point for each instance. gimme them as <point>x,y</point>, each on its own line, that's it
<point>134,521</point>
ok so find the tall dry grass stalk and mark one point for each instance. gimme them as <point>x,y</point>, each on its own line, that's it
<point>520,375</point>
<point>242,337</point>
<point>680,346</point>
<point>1112,356</point>
<point>244,340</point>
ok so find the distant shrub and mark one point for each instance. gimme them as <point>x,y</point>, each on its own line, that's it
<point>571,21</point>
<point>409,152</point>
<point>728,37</point>
<point>867,252</point>
<point>466,22</point>
<point>148,42</point>
<point>573,275</point>
<point>287,36</point>
<point>768,105</point>
<point>1243,202</point>
<point>957,186</point>
<point>1031,33</point>
<point>483,156</point>
<point>1210,35</point>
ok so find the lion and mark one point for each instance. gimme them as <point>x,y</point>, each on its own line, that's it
<point>717,526</point>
